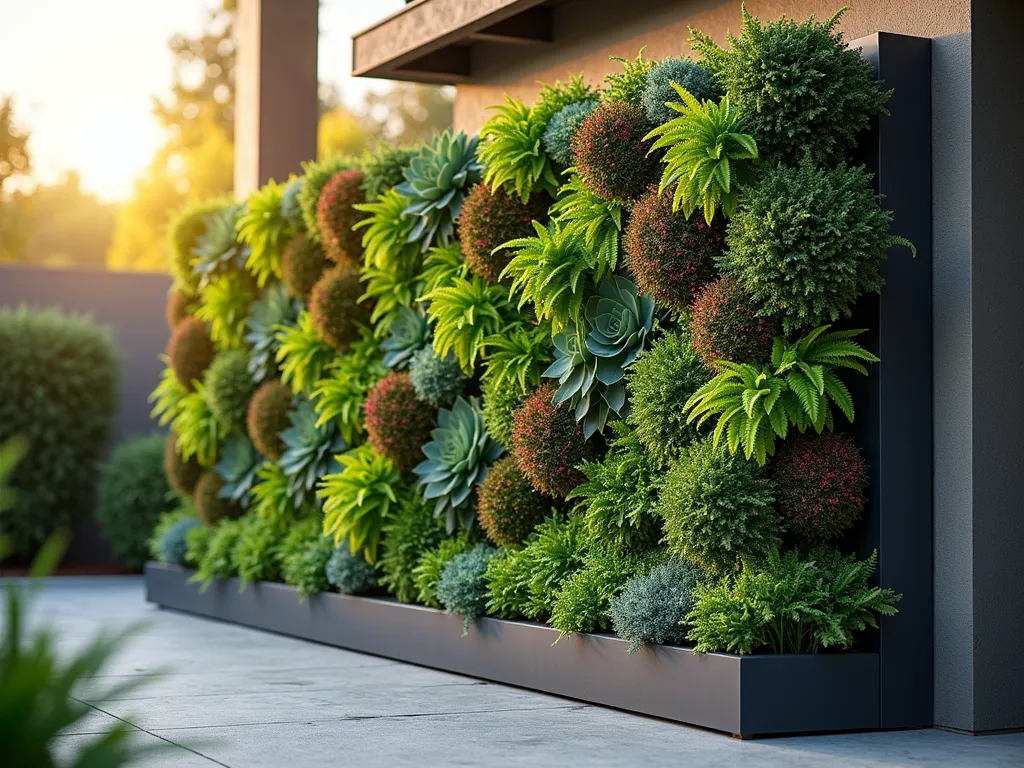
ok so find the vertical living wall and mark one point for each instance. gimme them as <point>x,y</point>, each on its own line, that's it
<point>595,367</point>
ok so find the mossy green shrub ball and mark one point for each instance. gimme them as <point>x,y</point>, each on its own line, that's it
<point>190,351</point>
<point>210,507</point>
<point>490,218</point>
<point>268,418</point>
<point>385,169</point>
<point>562,127</point>
<point>659,383</point>
<point>229,388</point>
<point>821,482</point>
<point>397,424</point>
<point>349,573</point>
<point>181,475</point>
<point>508,506</point>
<point>717,508</point>
<point>133,494</point>
<point>501,401</point>
<point>437,381</point>
<point>302,264</point>
<point>548,443</point>
<point>610,153</point>
<point>335,308</point>
<point>336,216</point>
<point>725,326</point>
<point>658,89</point>
<point>671,257</point>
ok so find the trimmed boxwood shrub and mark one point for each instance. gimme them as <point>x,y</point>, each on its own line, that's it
<point>133,495</point>
<point>58,389</point>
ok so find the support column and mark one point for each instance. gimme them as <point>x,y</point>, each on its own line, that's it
<point>276,109</point>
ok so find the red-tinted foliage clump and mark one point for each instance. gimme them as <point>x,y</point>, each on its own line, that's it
<point>190,351</point>
<point>181,475</point>
<point>509,508</point>
<point>397,424</point>
<point>611,155</point>
<point>725,326</point>
<point>268,417</point>
<point>490,218</point>
<point>335,308</point>
<point>336,216</point>
<point>302,264</point>
<point>548,443</point>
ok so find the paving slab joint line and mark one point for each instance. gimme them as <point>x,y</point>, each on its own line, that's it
<point>130,724</point>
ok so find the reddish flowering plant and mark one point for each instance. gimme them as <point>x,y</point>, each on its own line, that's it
<point>548,443</point>
<point>725,326</point>
<point>821,484</point>
<point>397,424</point>
<point>610,152</point>
<point>336,215</point>
<point>509,508</point>
<point>491,218</point>
<point>672,258</point>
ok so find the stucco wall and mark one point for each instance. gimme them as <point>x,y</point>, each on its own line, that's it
<point>588,32</point>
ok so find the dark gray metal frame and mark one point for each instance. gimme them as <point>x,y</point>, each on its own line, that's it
<point>741,695</point>
<point>889,686</point>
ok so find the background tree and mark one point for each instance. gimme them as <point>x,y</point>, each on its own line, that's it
<point>67,226</point>
<point>15,161</point>
<point>408,113</point>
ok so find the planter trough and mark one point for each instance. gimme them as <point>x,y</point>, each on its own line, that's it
<point>740,695</point>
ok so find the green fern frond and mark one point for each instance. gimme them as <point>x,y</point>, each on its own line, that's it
<point>386,239</point>
<point>339,396</point>
<point>513,153</point>
<point>519,355</point>
<point>442,266</point>
<point>199,431</point>
<point>465,314</point>
<point>593,219</point>
<point>168,395</point>
<point>301,354</point>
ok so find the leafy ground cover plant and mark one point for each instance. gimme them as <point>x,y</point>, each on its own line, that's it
<point>430,567</point>
<point>409,534</point>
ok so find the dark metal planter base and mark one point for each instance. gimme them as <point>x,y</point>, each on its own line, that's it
<point>741,695</point>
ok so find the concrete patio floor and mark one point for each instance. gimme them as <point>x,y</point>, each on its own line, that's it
<point>243,698</point>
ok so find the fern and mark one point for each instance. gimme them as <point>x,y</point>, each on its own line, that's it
<point>442,266</point>
<point>517,355</point>
<point>340,395</point>
<point>628,86</point>
<point>358,500</point>
<point>593,219</point>
<point>756,404</point>
<point>199,431</point>
<point>513,154</point>
<point>553,271</point>
<point>386,239</point>
<point>301,354</point>
<point>273,498</point>
<point>708,155</point>
<point>226,304</point>
<point>553,97</point>
<point>167,396</point>
<point>264,228</point>
<point>390,288</point>
<point>465,314</point>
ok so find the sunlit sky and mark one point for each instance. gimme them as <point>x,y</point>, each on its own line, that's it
<point>83,74</point>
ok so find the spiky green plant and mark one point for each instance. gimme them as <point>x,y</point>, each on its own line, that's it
<point>382,168</point>
<point>316,176</point>
<point>442,265</point>
<point>592,219</point>
<point>412,531</point>
<point>276,308</point>
<point>457,459</point>
<point>436,183</point>
<point>754,404</point>
<point>310,448</point>
<point>225,304</point>
<point>553,97</point>
<point>517,356</point>
<point>409,333</point>
<point>272,498</point>
<point>218,250</point>
<point>576,369</point>
<point>513,152</point>
<point>229,388</point>
<point>168,395</point>
<point>339,396</point>
<point>199,431</point>
<point>264,227</point>
<point>465,314</point>
<point>183,230</point>
<point>627,87</point>
<point>553,271</point>
<point>256,556</point>
<point>708,156</point>
<point>359,500</point>
<point>387,230</point>
<point>390,290</point>
<point>238,465</point>
<point>302,354</point>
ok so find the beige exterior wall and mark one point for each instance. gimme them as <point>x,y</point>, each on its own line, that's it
<point>588,32</point>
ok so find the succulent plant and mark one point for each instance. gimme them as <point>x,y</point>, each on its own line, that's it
<point>359,500</point>
<point>562,127</point>
<point>238,465</point>
<point>309,450</point>
<point>619,320</point>
<point>190,352</point>
<point>457,459</point>
<point>218,249</point>
<point>436,380</point>
<point>302,264</point>
<point>268,417</point>
<point>436,183</point>
<point>410,332</point>
<point>275,308</point>
<point>575,367</point>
